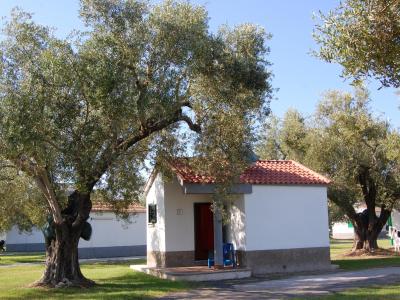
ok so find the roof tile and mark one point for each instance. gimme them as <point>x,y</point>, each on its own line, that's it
<point>261,172</point>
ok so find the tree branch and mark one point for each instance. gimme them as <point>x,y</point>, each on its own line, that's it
<point>42,179</point>
<point>109,155</point>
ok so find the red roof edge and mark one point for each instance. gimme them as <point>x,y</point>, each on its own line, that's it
<point>328,181</point>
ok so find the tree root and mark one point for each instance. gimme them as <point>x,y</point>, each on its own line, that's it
<point>64,283</point>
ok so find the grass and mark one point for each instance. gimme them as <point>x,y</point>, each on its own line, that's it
<point>15,258</point>
<point>114,281</point>
<point>369,293</point>
<point>341,248</point>
<point>339,256</point>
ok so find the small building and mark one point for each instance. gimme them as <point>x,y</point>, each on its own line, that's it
<point>111,237</point>
<point>277,221</point>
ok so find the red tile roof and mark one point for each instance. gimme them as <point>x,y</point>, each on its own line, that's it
<point>104,207</point>
<point>261,172</point>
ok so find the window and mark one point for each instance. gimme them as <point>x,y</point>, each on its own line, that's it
<point>152,211</point>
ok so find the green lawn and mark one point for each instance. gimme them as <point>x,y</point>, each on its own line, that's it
<point>114,281</point>
<point>14,258</point>
<point>339,249</point>
<point>370,293</point>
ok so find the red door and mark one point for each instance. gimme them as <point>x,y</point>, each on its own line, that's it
<point>203,230</point>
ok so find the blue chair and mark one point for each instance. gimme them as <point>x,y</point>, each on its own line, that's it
<point>229,256</point>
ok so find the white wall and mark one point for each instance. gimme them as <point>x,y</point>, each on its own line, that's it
<point>109,231</point>
<point>156,232</point>
<point>341,230</point>
<point>396,218</point>
<point>179,217</point>
<point>13,236</point>
<point>284,217</point>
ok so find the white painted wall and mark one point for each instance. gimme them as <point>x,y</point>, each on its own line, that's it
<point>179,217</point>
<point>107,231</point>
<point>237,224</point>
<point>156,232</point>
<point>396,218</point>
<point>341,230</point>
<point>285,217</point>
<point>13,236</point>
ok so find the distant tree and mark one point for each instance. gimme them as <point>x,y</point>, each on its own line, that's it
<point>21,203</point>
<point>363,36</point>
<point>284,139</point>
<point>359,152</point>
<point>353,147</point>
<point>143,82</point>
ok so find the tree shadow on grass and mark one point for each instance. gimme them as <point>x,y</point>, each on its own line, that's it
<point>132,285</point>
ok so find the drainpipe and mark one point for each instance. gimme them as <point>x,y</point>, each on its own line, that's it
<point>218,242</point>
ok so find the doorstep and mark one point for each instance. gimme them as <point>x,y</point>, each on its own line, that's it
<point>196,273</point>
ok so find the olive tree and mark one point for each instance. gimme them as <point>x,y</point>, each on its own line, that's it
<point>355,148</point>
<point>86,112</point>
<point>363,37</point>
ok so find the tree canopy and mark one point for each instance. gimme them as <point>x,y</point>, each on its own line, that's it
<point>364,37</point>
<point>143,81</point>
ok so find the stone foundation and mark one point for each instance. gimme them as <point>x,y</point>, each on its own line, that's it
<point>260,261</point>
<point>172,259</point>
<point>285,260</point>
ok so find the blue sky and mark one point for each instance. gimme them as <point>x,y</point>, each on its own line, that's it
<point>300,78</point>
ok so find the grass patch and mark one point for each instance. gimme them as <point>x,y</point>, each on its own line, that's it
<point>9,258</point>
<point>114,281</point>
<point>341,248</point>
<point>370,293</point>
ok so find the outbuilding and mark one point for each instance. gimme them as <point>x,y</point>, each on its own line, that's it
<point>277,219</point>
<point>112,236</point>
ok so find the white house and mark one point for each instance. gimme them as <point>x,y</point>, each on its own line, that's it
<point>111,236</point>
<point>278,219</point>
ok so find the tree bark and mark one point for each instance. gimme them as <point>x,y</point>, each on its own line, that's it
<point>62,267</point>
<point>365,239</point>
<point>367,229</point>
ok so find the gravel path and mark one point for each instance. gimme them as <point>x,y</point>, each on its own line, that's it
<point>296,286</point>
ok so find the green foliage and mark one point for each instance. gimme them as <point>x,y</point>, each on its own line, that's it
<point>362,36</point>
<point>144,82</point>
<point>21,203</point>
<point>350,143</point>
<point>286,138</point>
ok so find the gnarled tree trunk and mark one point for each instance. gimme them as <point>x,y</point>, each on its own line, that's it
<point>365,239</point>
<point>367,227</point>
<point>62,264</point>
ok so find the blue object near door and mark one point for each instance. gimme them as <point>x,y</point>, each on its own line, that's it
<point>229,256</point>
